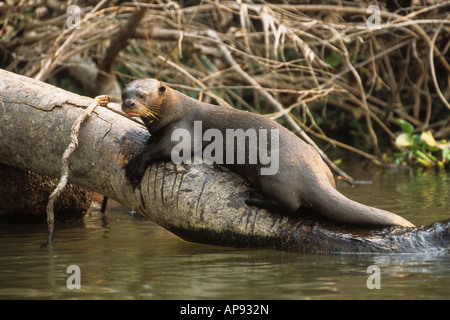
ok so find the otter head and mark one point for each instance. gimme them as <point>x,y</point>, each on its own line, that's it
<point>143,98</point>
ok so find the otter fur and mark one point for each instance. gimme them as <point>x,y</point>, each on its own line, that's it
<point>302,179</point>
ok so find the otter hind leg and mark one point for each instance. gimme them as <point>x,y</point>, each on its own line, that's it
<point>261,201</point>
<point>274,203</point>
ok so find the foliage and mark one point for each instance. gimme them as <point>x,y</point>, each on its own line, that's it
<point>421,149</point>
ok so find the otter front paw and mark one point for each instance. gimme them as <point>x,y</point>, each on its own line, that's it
<point>135,169</point>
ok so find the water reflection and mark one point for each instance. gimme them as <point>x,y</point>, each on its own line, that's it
<point>421,196</point>
<point>124,257</point>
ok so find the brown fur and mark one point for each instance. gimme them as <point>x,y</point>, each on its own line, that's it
<point>303,177</point>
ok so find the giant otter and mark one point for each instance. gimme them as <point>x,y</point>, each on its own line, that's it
<point>300,178</point>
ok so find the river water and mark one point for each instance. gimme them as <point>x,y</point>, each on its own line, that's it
<point>121,256</point>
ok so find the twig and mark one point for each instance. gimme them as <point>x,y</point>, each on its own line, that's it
<point>52,59</point>
<point>120,40</point>
<point>340,144</point>
<point>362,93</point>
<point>339,9</point>
<point>193,79</point>
<point>99,100</point>
<point>433,73</point>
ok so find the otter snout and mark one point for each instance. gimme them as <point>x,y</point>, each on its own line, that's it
<point>128,104</point>
<point>129,107</point>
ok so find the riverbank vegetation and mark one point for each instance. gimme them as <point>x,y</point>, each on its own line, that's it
<point>373,80</point>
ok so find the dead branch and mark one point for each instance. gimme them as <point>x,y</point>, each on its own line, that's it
<point>286,48</point>
<point>119,42</point>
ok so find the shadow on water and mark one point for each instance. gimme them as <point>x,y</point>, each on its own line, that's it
<point>126,257</point>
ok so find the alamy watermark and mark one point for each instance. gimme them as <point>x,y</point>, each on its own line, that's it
<point>236,147</point>
<point>374,280</point>
<point>374,20</point>
<point>74,18</point>
<point>74,280</point>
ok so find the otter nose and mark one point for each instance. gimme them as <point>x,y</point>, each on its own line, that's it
<point>128,103</point>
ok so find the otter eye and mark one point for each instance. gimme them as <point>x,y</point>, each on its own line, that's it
<point>161,89</point>
<point>140,95</point>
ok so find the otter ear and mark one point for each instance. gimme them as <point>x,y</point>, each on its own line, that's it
<point>161,89</point>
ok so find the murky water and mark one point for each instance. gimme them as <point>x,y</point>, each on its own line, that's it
<point>126,257</point>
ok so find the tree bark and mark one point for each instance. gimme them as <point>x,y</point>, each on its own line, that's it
<point>24,196</point>
<point>201,203</point>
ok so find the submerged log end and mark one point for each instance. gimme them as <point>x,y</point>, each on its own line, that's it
<point>309,236</point>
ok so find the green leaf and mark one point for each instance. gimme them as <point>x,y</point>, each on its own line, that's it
<point>417,141</point>
<point>428,138</point>
<point>446,155</point>
<point>426,156</point>
<point>406,126</point>
<point>405,140</point>
<point>433,158</point>
<point>426,163</point>
<point>333,59</point>
<point>444,145</point>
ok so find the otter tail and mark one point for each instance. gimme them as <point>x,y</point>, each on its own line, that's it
<point>334,205</point>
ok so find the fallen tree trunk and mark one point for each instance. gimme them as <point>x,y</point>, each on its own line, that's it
<point>197,202</point>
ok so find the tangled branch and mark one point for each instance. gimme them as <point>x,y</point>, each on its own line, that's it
<point>275,59</point>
